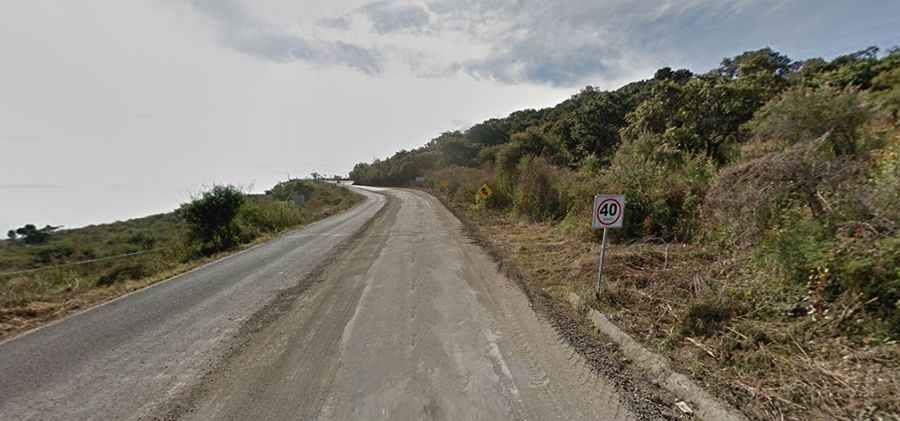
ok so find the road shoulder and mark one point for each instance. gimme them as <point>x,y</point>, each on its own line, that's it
<point>642,378</point>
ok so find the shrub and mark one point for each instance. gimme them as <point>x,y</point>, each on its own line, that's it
<point>142,240</point>
<point>662,187</point>
<point>507,166</point>
<point>873,270</point>
<point>291,189</point>
<point>53,253</point>
<point>797,246</point>
<point>804,114</point>
<point>884,185</point>
<point>591,164</point>
<point>211,218</point>
<point>536,193</point>
<point>270,215</point>
<point>887,92</point>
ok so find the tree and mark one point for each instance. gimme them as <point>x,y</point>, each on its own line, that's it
<point>700,116</point>
<point>678,76</point>
<point>455,149</point>
<point>855,69</point>
<point>31,234</point>
<point>489,133</point>
<point>762,61</point>
<point>211,218</point>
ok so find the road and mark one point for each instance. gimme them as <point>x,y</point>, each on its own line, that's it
<point>384,312</point>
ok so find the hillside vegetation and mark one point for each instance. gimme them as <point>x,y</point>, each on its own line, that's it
<point>46,276</point>
<point>761,249</point>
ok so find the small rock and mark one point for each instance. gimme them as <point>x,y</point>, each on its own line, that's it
<point>684,407</point>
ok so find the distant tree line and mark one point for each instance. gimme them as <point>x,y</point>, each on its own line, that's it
<point>703,113</point>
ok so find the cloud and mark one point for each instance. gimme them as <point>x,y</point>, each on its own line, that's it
<point>565,43</point>
<point>245,33</point>
<point>568,42</point>
<point>390,16</point>
<point>559,43</point>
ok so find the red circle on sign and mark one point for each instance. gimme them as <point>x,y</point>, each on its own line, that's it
<point>618,216</point>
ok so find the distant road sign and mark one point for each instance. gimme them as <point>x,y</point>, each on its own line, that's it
<point>609,211</point>
<point>485,192</point>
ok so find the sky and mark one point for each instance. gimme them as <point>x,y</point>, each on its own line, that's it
<point>114,109</point>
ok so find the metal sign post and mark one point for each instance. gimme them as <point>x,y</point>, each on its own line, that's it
<point>609,211</point>
<point>600,265</point>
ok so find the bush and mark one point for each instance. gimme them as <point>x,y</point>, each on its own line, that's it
<point>536,193</point>
<point>507,166</point>
<point>291,190</point>
<point>804,114</point>
<point>884,185</point>
<point>270,215</point>
<point>798,246</point>
<point>53,253</point>
<point>662,187</point>
<point>211,218</point>
<point>887,92</point>
<point>871,269</point>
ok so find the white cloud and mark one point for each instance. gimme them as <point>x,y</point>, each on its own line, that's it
<point>251,35</point>
<point>571,42</point>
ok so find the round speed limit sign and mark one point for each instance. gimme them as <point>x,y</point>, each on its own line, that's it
<point>609,211</point>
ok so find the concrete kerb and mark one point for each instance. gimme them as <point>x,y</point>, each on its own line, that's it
<point>704,405</point>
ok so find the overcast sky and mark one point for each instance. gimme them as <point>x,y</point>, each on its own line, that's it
<point>111,109</point>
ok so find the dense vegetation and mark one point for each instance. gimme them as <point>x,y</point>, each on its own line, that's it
<point>80,266</point>
<point>779,178</point>
<point>796,159</point>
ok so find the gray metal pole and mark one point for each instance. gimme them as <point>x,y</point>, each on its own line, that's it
<point>600,265</point>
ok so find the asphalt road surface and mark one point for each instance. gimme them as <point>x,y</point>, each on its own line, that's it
<point>386,311</point>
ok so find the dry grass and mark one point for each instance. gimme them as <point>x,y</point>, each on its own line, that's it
<point>752,352</point>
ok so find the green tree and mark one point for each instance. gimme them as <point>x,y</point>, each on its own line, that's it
<point>488,133</point>
<point>702,115</point>
<point>455,149</point>
<point>595,126</point>
<point>211,218</point>
<point>31,235</point>
<point>756,62</point>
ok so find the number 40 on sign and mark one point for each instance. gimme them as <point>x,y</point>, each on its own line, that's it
<point>609,211</point>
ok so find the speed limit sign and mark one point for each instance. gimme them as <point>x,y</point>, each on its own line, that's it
<point>609,211</point>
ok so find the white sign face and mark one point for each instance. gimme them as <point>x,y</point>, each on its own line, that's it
<point>609,211</point>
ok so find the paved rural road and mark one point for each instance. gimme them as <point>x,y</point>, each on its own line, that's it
<point>384,312</point>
